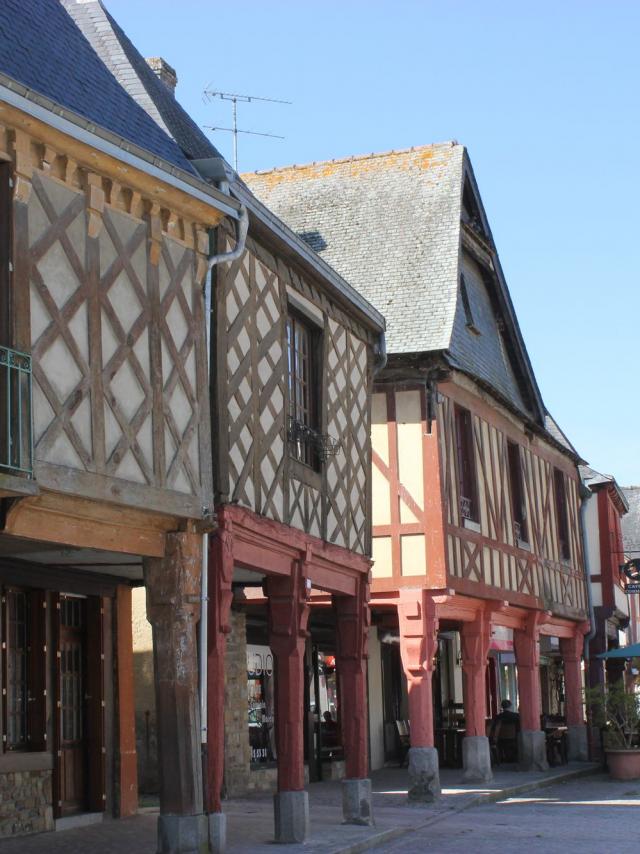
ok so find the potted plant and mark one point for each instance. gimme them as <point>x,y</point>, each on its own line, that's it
<point>617,712</point>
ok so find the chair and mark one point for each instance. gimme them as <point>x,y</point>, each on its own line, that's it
<point>404,741</point>
<point>492,731</point>
<point>507,742</point>
<point>556,747</point>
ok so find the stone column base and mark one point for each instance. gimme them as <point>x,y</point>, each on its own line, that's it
<point>291,810</point>
<point>183,834</point>
<point>532,750</point>
<point>424,775</point>
<point>476,759</point>
<point>356,802</point>
<point>217,832</point>
<point>577,743</point>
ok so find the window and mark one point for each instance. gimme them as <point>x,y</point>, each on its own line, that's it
<point>17,650</point>
<point>468,314</point>
<point>467,485</point>
<point>561,514</point>
<point>303,404</point>
<point>23,669</point>
<point>518,507</point>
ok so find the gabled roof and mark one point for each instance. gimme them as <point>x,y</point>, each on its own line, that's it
<point>592,478</point>
<point>42,49</point>
<point>392,225</point>
<point>133,73</point>
<point>631,522</point>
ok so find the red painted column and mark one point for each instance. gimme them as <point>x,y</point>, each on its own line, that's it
<point>418,645</point>
<point>219,606</point>
<point>476,638</point>
<point>288,607</point>
<point>571,649</point>
<point>527,650</point>
<point>352,621</point>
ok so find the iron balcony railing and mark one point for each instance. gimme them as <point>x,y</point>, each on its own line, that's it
<point>16,434</point>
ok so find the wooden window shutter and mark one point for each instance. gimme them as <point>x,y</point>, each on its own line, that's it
<point>37,672</point>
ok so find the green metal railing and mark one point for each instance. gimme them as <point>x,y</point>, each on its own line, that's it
<point>16,434</point>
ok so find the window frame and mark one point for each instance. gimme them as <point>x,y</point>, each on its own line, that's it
<point>7,683</point>
<point>562,516</point>
<point>303,431</point>
<point>516,491</point>
<point>35,670</point>
<point>466,467</point>
<point>466,305</point>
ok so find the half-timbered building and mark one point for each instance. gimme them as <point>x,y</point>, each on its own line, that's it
<point>293,351</point>
<point>105,444</point>
<point>478,556</point>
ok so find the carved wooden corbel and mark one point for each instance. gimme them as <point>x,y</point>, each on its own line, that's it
<point>155,233</point>
<point>95,204</point>
<point>23,167</point>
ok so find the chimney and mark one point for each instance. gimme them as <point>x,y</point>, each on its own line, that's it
<point>164,71</point>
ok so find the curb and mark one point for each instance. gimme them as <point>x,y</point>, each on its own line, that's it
<point>477,800</point>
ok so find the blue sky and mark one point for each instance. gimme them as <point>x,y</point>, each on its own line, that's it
<point>546,98</point>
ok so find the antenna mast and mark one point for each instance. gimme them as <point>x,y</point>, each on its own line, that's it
<point>210,94</point>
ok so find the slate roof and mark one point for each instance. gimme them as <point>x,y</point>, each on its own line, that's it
<point>133,73</point>
<point>631,522</point>
<point>390,224</point>
<point>43,49</point>
<point>591,477</point>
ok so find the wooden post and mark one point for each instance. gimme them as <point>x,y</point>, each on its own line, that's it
<point>288,616</point>
<point>288,608</point>
<point>418,646</point>
<point>532,752</point>
<point>173,584</point>
<point>220,596</point>
<point>128,760</point>
<point>476,638</point>
<point>352,623</point>
<point>527,651</point>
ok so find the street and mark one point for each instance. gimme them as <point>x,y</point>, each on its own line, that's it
<point>593,815</point>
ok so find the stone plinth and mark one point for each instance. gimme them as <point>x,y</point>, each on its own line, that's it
<point>424,775</point>
<point>476,759</point>
<point>356,802</point>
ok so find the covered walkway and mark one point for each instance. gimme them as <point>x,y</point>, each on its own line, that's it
<point>250,820</point>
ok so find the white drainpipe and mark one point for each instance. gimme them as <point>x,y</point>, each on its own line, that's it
<point>242,226</point>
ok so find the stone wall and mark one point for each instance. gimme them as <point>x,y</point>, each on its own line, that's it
<point>25,802</point>
<point>237,752</point>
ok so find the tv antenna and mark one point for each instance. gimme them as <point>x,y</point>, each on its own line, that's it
<point>211,94</point>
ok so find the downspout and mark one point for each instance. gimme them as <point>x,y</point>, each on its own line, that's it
<point>380,361</point>
<point>586,495</point>
<point>242,227</point>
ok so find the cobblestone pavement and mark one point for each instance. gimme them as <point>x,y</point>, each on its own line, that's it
<point>593,815</point>
<point>250,820</point>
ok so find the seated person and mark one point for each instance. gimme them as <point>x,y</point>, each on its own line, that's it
<point>504,731</point>
<point>507,715</point>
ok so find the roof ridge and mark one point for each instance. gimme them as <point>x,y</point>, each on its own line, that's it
<point>355,157</point>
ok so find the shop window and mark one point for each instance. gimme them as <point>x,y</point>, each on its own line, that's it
<point>518,505</point>
<point>302,349</point>
<point>23,669</point>
<point>467,481</point>
<point>260,700</point>
<point>561,514</point>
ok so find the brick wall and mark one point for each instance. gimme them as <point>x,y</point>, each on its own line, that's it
<point>25,802</point>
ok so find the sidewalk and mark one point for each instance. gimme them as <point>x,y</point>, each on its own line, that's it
<point>250,820</point>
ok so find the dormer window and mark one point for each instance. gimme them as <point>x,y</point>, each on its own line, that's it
<point>466,304</point>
